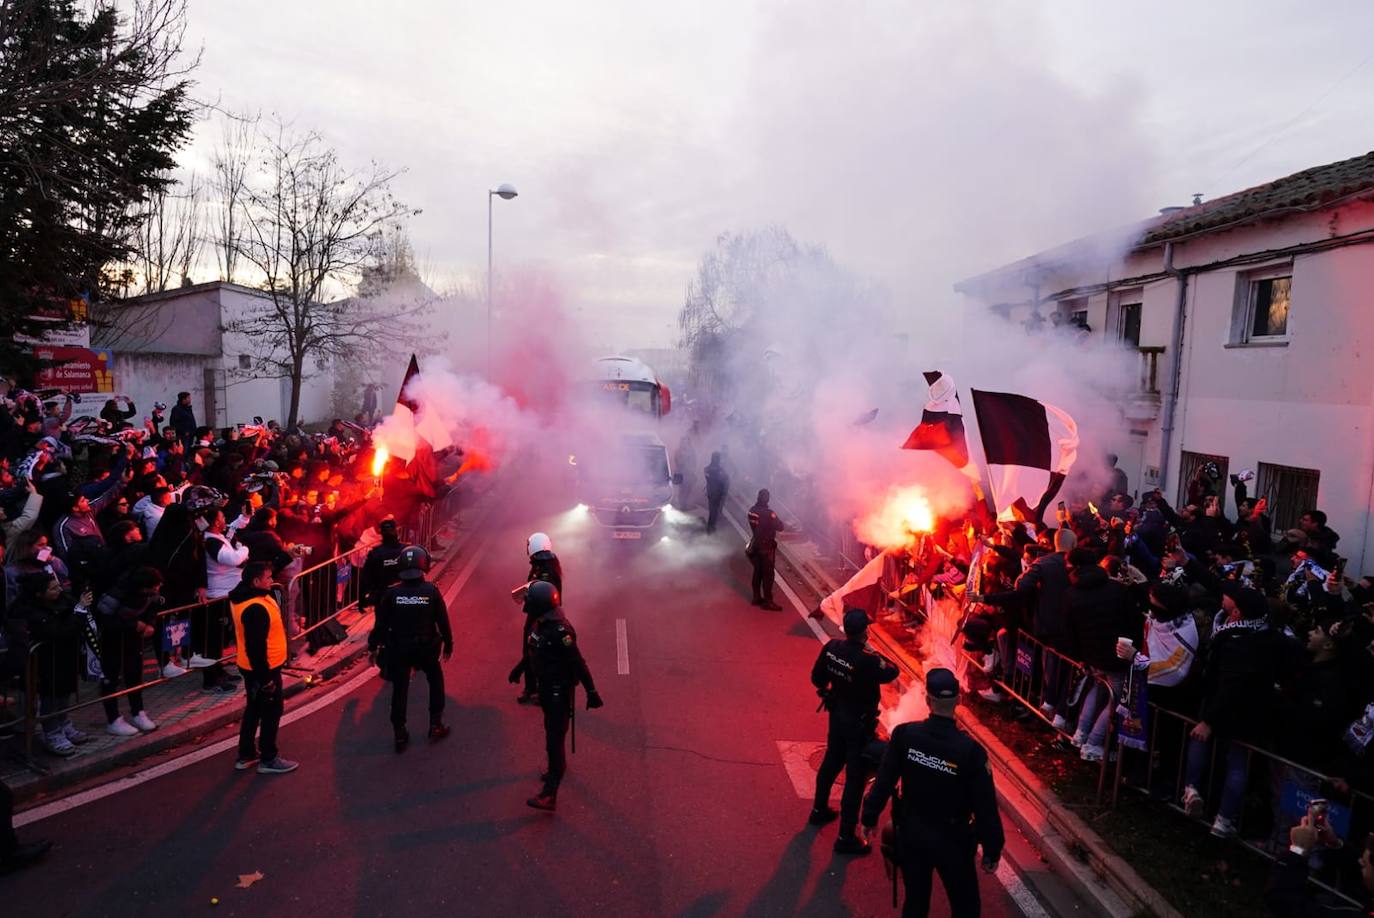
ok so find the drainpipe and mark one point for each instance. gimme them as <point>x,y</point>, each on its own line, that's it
<point>1166,427</point>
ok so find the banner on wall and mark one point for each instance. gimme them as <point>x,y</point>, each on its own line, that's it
<point>74,369</point>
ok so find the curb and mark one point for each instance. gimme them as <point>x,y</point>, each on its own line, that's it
<point>1072,849</point>
<point>351,650</point>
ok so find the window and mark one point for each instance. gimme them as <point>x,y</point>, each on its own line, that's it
<point>1189,464</point>
<point>245,362</point>
<point>1128,324</point>
<point>1262,303</point>
<point>1291,491</point>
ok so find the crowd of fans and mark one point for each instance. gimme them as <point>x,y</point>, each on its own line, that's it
<point>1255,639</point>
<point>119,536</point>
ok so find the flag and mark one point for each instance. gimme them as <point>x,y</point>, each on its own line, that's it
<point>1029,446</point>
<point>864,590</point>
<point>942,421</point>
<point>430,434</point>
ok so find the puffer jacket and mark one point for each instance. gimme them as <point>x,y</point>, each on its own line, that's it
<point>1097,611</point>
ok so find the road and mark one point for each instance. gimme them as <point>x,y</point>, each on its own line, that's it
<point>677,802</point>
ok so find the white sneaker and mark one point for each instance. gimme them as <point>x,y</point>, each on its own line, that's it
<point>142,722</point>
<point>1047,709</point>
<point>991,694</point>
<point>1091,753</point>
<point>1059,723</point>
<point>1192,802</point>
<point>1077,740</point>
<point>121,727</point>
<point>1223,827</point>
<point>171,670</point>
<point>74,735</point>
<point>199,662</point>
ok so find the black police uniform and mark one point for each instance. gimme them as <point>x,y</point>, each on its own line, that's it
<point>765,526</point>
<point>947,808</point>
<point>559,667</point>
<point>413,627</point>
<point>544,565</point>
<point>848,676</point>
<point>381,570</point>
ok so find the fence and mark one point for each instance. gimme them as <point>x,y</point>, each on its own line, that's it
<point>56,670</point>
<point>1268,793</point>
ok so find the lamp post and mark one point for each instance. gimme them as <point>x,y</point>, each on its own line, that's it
<point>505,191</point>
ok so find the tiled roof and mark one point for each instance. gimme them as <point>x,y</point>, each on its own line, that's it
<point>1305,190</point>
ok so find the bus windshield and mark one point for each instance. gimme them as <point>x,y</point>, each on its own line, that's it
<point>640,397</point>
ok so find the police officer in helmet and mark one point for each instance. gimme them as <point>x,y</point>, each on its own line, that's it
<point>559,667</point>
<point>847,676</point>
<point>544,565</point>
<point>411,632</point>
<point>763,549</point>
<point>947,807</point>
<point>382,566</point>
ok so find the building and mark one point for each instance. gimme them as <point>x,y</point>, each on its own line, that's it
<point>1251,319</point>
<point>165,343</point>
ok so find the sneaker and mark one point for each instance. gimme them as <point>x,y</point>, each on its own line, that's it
<point>219,688</point>
<point>1091,753</point>
<point>852,844</point>
<point>74,735</point>
<point>1047,709</point>
<point>770,606</point>
<point>121,727</point>
<point>57,744</point>
<point>143,722</point>
<point>1059,723</point>
<point>242,764</point>
<point>823,816</point>
<point>171,670</point>
<point>277,766</point>
<point>438,731</point>
<point>991,694</point>
<point>1192,802</point>
<point>199,662</point>
<point>1223,827</point>
<point>1078,739</point>
<point>543,801</point>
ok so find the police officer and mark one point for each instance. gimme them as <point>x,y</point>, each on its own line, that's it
<point>559,667</point>
<point>382,564</point>
<point>412,630</point>
<point>947,806</point>
<point>544,565</point>
<point>847,675</point>
<point>763,549</point>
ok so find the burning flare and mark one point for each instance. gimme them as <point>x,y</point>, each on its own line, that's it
<point>895,524</point>
<point>379,459</point>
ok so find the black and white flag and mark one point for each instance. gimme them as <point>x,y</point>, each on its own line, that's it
<point>1029,447</point>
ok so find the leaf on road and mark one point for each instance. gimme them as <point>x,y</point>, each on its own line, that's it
<point>248,879</point>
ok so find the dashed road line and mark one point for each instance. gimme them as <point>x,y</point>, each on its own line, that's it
<point>622,649</point>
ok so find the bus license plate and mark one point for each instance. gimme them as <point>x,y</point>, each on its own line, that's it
<point>626,534</point>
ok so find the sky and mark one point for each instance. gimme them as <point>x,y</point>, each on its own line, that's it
<point>918,142</point>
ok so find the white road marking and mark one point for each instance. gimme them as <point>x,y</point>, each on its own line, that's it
<point>1019,892</point>
<point>66,804</point>
<point>797,604</point>
<point>622,649</point>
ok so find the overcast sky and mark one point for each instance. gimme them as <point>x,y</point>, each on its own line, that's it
<point>919,142</point>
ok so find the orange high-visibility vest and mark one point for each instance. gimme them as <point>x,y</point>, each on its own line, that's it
<point>276,632</point>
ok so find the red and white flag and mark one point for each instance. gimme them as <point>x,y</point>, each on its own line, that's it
<point>1029,446</point>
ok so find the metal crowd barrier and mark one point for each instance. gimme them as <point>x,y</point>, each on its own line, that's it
<point>1034,668</point>
<point>1284,787</point>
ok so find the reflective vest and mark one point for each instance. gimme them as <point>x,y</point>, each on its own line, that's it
<point>276,632</point>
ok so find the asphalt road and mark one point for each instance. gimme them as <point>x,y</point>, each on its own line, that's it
<point>677,801</point>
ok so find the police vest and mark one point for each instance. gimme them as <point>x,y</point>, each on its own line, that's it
<point>276,632</point>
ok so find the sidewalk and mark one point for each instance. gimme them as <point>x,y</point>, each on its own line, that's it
<point>183,713</point>
<point>1076,853</point>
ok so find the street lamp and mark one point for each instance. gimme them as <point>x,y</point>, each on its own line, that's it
<point>505,191</point>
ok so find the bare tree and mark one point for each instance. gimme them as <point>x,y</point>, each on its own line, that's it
<point>310,228</point>
<point>230,164</point>
<point>170,236</point>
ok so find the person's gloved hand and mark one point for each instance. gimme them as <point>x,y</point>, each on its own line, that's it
<point>514,676</point>
<point>594,701</point>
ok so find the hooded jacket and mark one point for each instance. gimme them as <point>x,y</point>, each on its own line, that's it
<point>1244,660</point>
<point>1097,611</point>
